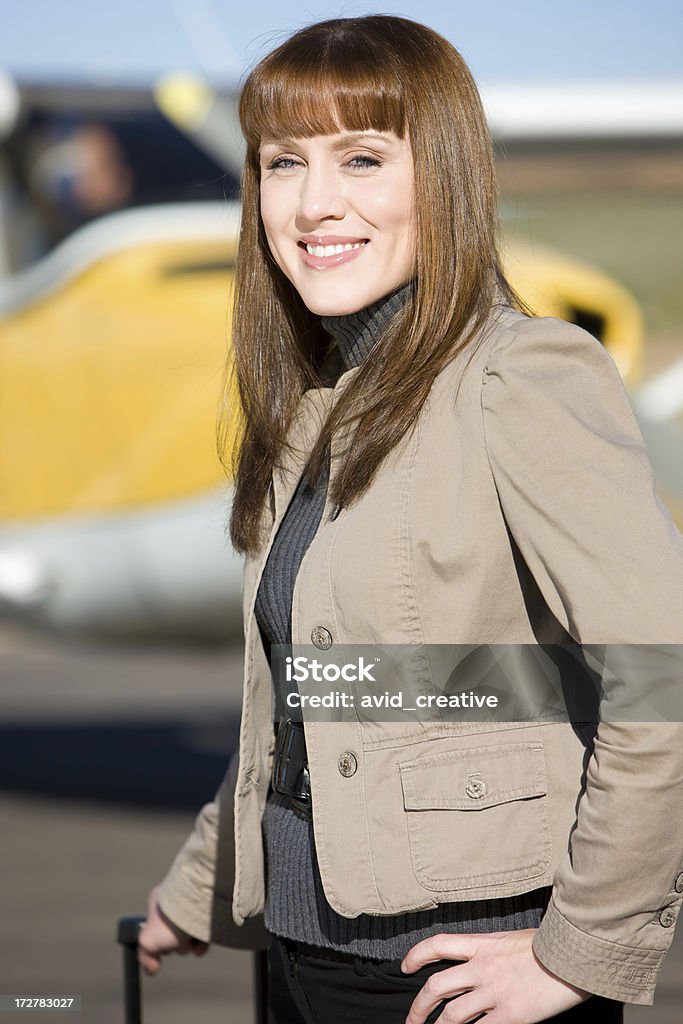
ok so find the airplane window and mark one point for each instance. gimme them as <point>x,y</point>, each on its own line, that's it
<point>70,167</point>
<point>591,321</point>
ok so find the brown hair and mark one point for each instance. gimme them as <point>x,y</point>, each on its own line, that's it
<point>388,74</point>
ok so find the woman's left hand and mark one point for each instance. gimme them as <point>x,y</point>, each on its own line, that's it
<point>501,978</point>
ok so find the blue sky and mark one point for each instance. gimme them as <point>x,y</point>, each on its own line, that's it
<point>135,40</point>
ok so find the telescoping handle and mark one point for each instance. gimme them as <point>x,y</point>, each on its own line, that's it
<point>127,935</point>
<point>260,973</point>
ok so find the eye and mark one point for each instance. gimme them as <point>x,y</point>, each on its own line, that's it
<point>284,163</point>
<point>363,162</point>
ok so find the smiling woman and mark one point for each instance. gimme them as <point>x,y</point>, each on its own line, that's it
<point>425,467</point>
<point>395,162</point>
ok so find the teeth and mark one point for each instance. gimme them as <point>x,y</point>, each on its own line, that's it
<point>331,250</point>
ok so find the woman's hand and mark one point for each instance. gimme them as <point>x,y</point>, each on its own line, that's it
<point>501,978</point>
<point>159,936</point>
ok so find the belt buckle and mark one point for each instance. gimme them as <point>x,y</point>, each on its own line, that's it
<point>301,799</point>
<point>290,775</point>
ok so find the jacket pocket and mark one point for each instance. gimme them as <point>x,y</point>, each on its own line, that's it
<point>477,816</point>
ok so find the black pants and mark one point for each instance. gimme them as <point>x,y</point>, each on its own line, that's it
<point>307,985</point>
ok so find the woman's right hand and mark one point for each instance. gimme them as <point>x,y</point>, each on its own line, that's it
<point>159,936</point>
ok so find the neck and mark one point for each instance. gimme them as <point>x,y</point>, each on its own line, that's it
<point>355,334</point>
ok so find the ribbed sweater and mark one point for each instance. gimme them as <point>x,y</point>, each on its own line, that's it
<point>296,906</point>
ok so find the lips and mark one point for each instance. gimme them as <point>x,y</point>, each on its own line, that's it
<point>322,252</point>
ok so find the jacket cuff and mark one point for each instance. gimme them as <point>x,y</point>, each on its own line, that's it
<point>596,965</point>
<point>185,906</point>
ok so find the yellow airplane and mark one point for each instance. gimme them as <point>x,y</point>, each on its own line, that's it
<point>112,348</point>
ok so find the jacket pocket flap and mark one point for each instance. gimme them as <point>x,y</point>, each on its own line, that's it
<point>475,778</point>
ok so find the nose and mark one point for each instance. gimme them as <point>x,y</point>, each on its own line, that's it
<point>321,196</point>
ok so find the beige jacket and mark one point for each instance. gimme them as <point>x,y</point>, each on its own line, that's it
<point>538,440</point>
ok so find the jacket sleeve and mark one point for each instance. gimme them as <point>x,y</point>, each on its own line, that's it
<point>196,894</point>
<point>577,492</point>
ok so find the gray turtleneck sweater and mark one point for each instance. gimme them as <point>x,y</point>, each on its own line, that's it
<point>295,903</point>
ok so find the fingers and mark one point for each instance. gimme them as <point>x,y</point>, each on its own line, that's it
<point>152,947</point>
<point>451,981</point>
<point>148,958</point>
<point>150,962</point>
<point>464,1009</point>
<point>440,947</point>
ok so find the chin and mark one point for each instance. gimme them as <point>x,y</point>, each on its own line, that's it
<point>334,309</point>
<point>338,305</point>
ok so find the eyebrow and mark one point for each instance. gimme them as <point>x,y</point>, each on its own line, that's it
<point>345,140</point>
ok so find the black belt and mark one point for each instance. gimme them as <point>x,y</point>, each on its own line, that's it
<point>290,775</point>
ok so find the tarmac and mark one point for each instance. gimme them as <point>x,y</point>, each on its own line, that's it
<point>106,754</point>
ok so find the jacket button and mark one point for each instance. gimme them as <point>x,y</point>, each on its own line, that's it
<point>347,764</point>
<point>667,917</point>
<point>321,638</point>
<point>678,884</point>
<point>475,786</point>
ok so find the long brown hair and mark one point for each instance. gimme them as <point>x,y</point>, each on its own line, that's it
<point>388,74</point>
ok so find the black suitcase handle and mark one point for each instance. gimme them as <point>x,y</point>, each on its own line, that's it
<point>127,935</point>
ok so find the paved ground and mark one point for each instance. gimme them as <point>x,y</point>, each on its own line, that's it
<point>135,724</point>
<point>74,869</point>
<point>140,724</point>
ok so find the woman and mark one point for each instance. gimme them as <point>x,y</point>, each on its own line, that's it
<point>424,464</point>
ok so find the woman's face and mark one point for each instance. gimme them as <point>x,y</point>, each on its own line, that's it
<point>339,216</point>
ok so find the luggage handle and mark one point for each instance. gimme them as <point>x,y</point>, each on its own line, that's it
<point>127,935</point>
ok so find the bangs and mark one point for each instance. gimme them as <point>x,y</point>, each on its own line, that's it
<point>299,95</point>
